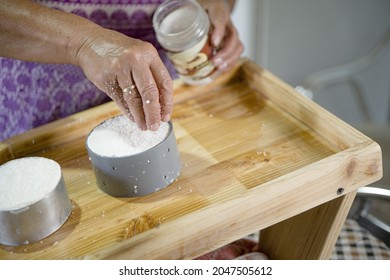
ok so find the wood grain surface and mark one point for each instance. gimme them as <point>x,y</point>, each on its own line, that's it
<point>254,153</point>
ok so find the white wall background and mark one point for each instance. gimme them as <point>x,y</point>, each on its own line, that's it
<point>295,38</point>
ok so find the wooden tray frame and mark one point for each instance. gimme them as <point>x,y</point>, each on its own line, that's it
<point>299,213</point>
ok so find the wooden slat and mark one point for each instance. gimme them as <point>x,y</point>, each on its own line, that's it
<point>325,124</point>
<point>5,153</point>
<point>293,239</point>
<point>61,131</point>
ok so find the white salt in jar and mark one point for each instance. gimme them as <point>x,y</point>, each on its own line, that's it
<point>182,29</point>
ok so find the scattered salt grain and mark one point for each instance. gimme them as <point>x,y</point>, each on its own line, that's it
<point>119,137</point>
<point>25,181</point>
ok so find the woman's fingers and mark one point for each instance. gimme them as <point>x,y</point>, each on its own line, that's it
<point>224,36</point>
<point>147,104</point>
<point>133,101</point>
<point>114,91</point>
<point>131,72</point>
<point>230,50</point>
<point>154,86</point>
<point>165,89</point>
<point>219,15</point>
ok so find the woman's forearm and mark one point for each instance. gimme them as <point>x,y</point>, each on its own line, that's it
<point>32,32</point>
<point>111,60</point>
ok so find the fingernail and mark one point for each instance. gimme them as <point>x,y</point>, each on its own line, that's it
<point>216,40</point>
<point>218,61</point>
<point>223,66</point>
<point>166,118</point>
<point>154,127</point>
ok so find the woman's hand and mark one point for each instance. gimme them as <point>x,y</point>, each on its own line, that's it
<point>131,72</point>
<point>224,36</point>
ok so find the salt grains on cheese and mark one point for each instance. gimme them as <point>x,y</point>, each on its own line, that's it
<point>118,137</point>
<point>26,181</point>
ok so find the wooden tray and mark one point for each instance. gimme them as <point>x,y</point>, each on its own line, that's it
<point>254,153</point>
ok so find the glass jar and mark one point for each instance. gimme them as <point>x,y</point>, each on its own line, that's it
<point>182,29</point>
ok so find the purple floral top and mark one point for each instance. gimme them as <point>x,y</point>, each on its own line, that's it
<point>32,94</point>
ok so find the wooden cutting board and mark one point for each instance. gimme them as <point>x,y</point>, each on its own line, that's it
<point>253,151</point>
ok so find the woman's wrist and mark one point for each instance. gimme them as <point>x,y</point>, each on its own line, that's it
<point>77,46</point>
<point>228,4</point>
